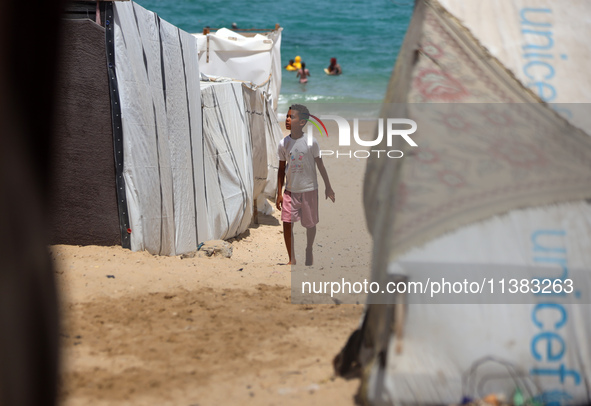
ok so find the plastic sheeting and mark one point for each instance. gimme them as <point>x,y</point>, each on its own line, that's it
<point>475,160</point>
<point>187,180</point>
<point>240,132</point>
<point>543,42</point>
<point>265,135</point>
<point>276,68</point>
<point>442,345</point>
<point>158,76</point>
<point>414,217</point>
<point>256,120</point>
<point>274,135</point>
<point>254,59</point>
<point>228,165</point>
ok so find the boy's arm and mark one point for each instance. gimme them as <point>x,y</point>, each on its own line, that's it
<point>280,180</point>
<point>328,189</point>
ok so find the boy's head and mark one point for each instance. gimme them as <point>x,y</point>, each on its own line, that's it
<point>297,117</point>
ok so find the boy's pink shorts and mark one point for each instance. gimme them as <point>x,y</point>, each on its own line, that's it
<point>300,206</point>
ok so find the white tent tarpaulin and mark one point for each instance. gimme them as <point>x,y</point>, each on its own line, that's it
<point>227,160</point>
<point>158,84</point>
<point>490,186</point>
<point>194,154</point>
<point>254,59</point>
<point>241,134</point>
<point>256,120</point>
<point>274,135</point>
<point>265,134</point>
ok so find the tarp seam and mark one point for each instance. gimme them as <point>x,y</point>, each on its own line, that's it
<point>224,132</point>
<point>137,26</point>
<point>159,176</point>
<point>157,18</point>
<point>190,135</point>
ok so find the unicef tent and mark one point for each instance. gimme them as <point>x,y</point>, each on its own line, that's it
<point>540,43</point>
<point>496,188</point>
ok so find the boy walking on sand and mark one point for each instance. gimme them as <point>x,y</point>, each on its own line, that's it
<point>297,163</point>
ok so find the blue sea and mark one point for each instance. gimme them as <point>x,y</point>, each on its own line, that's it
<point>364,37</point>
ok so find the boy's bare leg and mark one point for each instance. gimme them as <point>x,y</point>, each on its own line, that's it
<point>288,236</point>
<point>311,235</point>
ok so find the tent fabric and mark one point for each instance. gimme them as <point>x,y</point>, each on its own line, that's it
<point>440,188</point>
<point>195,153</point>
<point>448,202</point>
<point>265,135</point>
<point>441,345</point>
<point>256,119</point>
<point>274,135</point>
<point>254,59</point>
<point>276,68</point>
<point>542,42</point>
<point>163,163</point>
<point>228,161</point>
<point>158,77</point>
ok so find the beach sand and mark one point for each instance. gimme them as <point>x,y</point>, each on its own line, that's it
<point>140,329</point>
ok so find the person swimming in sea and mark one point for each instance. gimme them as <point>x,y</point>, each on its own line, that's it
<point>303,74</point>
<point>334,68</point>
<point>290,66</point>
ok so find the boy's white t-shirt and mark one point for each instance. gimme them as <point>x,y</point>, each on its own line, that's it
<point>300,167</point>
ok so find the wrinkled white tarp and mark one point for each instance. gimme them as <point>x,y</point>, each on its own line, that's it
<point>255,114</point>
<point>274,135</point>
<point>227,161</point>
<point>254,59</point>
<point>158,78</point>
<point>188,181</point>
<point>265,134</point>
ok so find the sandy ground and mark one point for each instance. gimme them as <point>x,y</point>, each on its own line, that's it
<point>140,329</point>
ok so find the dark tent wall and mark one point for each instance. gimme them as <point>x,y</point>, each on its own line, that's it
<point>84,209</point>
